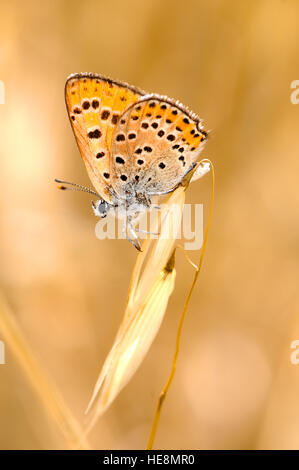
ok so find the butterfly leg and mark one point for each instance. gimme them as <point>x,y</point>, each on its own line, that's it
<point>130,233</point>
<point>145,231</point>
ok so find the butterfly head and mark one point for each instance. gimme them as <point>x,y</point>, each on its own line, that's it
<point>101,208</point>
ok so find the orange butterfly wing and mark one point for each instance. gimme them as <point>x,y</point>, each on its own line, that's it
<point>155,144</point>
<point>94,105</point>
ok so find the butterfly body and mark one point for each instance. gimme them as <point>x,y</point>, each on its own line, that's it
<point>131,205</point>
<point>134,145</point>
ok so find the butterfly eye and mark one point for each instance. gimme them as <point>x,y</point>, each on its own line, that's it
<point>101,208</point>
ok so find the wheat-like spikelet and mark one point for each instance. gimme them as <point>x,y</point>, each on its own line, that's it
<point>151,285</point>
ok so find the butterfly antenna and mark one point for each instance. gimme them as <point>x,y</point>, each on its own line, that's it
<point>78,187</point>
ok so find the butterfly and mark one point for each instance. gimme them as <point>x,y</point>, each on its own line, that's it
<point>134,145</point>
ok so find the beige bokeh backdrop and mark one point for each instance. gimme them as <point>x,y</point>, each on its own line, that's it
<point>233,63</point>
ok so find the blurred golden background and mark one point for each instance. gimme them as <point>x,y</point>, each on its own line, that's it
<point>232,62</point>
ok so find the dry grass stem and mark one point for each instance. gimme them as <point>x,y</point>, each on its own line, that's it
<point>197,268</point>
<point>54,405</point>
